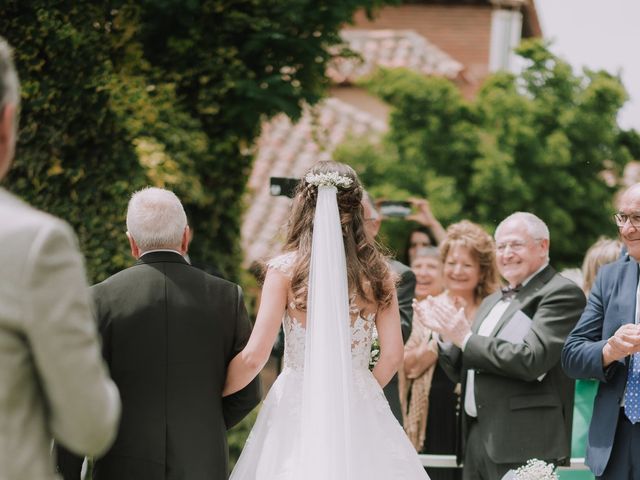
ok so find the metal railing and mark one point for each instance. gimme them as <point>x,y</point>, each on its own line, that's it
<point>449,461</point>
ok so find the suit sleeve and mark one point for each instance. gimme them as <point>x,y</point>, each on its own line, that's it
<point>449,358</point>
<point>235,407</point>
<point>406,291</point>
<point>555,316</point>
<point>582,352</point>
<point>84,405</point>
<point>69,465</point>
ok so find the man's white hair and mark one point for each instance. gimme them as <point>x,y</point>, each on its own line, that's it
<point>9,83</point>
<point>535,226</point>
<point>156,219</point>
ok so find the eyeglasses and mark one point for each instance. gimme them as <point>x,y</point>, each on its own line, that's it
<point>621,219</point>
<point>515,246</point>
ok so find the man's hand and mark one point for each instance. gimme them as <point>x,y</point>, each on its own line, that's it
<point>440,315</point>
<point>626,341</point>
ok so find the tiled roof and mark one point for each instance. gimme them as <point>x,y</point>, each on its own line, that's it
<point>286,149</point>
<point>391,48</point>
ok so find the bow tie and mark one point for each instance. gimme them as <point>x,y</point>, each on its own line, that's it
<point>509,292</point>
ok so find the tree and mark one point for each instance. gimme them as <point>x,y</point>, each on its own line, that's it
<point>118,94</point>
<point>545,141</point>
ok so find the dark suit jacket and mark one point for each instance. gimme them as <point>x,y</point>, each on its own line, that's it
<point>611,304</point>
<point>169,331</point>
<point>406,291</point>
<point>519,416</point>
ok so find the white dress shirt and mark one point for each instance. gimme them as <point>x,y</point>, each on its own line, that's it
<point>486,327</point>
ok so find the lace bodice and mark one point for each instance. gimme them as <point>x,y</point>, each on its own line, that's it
<point>362,327</point>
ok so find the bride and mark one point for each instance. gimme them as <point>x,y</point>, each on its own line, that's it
<point>326,417</point>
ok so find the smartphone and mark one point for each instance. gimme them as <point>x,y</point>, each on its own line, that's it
<point>285,186</point>
<point>394,208</point>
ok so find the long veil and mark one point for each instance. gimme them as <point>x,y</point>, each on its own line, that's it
<point>327,395</point>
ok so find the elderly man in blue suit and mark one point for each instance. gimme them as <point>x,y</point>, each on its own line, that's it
<point>605,344</point>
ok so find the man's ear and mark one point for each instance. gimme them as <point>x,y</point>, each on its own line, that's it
<point>544,243</point>
<point>7,137</point>
<point>135,250</point>
<point>186,239</point>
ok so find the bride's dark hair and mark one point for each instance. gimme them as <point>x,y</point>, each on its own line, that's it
<point>368,272</point>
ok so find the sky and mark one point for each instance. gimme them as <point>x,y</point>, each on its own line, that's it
<point>598,34</point>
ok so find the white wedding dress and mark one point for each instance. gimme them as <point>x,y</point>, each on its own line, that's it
<point>377,449</point>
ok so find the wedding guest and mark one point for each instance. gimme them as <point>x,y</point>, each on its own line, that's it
<point>53,382</point>
<point>604,251</point>
<point>169,331</point>
<point>420,351</point>
<point>405,289</point>
<point>427,230</point>
<point>469,274</point>
<point>604,345</point>
<point>517,402</point>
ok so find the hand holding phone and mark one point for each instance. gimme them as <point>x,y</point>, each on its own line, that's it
<point>394,208</point>
<point>285,186</point>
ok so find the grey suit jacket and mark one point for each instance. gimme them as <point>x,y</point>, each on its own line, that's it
<point>519,416</point>
<point>52,379</point>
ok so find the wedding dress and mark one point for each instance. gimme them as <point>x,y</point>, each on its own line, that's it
<point>326,416</point>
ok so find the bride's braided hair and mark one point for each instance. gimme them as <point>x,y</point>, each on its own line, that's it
<point>367,269</point>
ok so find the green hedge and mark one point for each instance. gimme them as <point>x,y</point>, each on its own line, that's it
<point>121,94</point>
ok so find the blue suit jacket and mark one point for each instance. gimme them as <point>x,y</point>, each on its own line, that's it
<point>611,304</point>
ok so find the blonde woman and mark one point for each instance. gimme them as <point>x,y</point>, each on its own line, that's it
<point>469,275</point>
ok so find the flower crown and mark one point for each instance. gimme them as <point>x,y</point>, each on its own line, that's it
<point>329,179</point>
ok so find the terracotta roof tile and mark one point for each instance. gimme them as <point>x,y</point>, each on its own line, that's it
<point>286,149</point>
<point>391,48</point>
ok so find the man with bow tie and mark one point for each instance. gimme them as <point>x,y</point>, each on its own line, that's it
<point>517,402</point>
<point>605,345</point>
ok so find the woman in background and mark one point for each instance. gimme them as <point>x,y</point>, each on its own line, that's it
<point>420,351</point>
<point>469,275</point>
<point>427,233</point>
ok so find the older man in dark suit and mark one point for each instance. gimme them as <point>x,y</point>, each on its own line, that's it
<point>605,345</point>
<point>517,402</point>
<point>169,331</point>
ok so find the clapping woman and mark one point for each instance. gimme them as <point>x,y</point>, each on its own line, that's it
<point>469,275</point>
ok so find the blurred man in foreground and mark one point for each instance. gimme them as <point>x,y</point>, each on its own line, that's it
<point>52,379</point>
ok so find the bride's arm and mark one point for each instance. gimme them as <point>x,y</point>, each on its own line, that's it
<point>391,347</point>
<point>248,363</point>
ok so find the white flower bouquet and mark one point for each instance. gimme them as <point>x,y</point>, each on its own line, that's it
<point>375,349</point>
<point>533,470</point>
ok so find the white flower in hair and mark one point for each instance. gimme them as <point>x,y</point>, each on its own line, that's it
<point>329,179</point>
